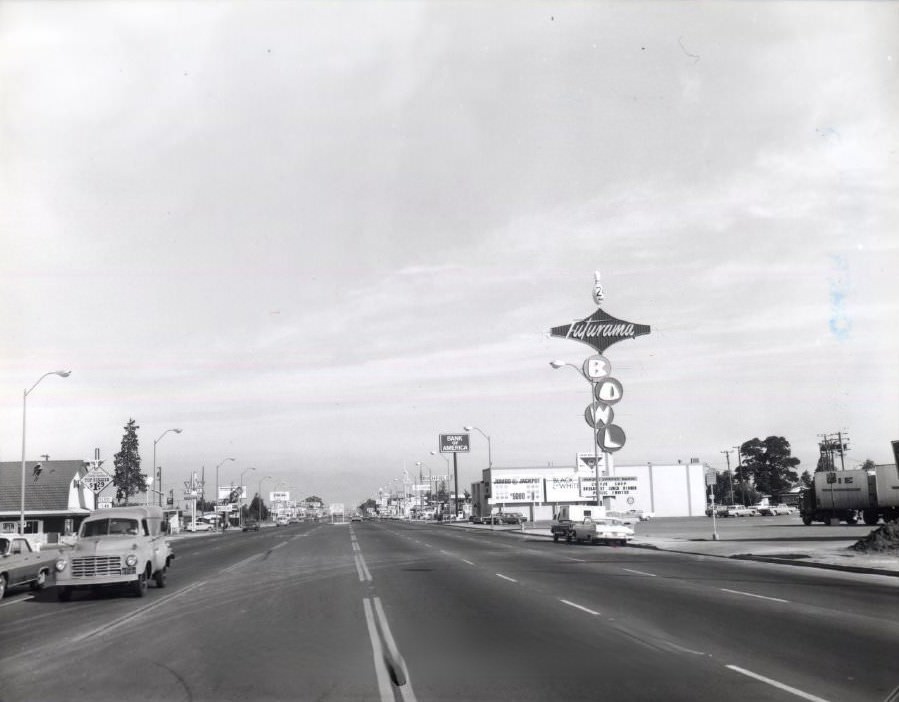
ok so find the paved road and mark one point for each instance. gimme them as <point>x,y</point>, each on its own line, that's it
<point>398,611</point>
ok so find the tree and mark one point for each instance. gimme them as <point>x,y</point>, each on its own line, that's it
<point>868,465</point>
<point>724,488</point>
<point>256,504</point>
<point>767,465</point>
<point>806,479</point>
<point>369,504</point>
<point>128,479</point>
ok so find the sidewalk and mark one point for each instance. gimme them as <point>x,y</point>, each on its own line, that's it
<point>835,555</point>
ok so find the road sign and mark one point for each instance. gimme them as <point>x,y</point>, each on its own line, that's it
<point>610,438</point>
<point>454,443</point>
<point>104,503</point>
<point>608,390</point>
<point>96,480</point>
<point>598,415</point>
<point>597,367</point>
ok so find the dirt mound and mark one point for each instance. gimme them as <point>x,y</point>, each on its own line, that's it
<point>886,538</point>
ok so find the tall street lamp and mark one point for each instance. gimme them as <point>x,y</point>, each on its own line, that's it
<point>158,470</point>
<point>217,481</point>
<point>240,512</point>
<point>61,374</point>
<point>259,496</point>
<point>489,445</point>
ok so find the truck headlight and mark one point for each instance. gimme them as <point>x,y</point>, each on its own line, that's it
<point>130,560</point>
<point>61,564</point>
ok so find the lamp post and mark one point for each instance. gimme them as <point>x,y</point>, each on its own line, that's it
<point>61,374</point>
<point>240,512</point>
<point>489,445</point>
<point>580,372</point>
<point>159,469</point>
<point>259,496</point>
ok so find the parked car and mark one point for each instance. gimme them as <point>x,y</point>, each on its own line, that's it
<point>251,525</point>
<point>282,521</point>
<point>492,519</point>
<point>475,519</point>
<point>773,510</point>
<point>513,518</point>
<point>198,526</point>
<point>739,511</point>
<point>23,564</point>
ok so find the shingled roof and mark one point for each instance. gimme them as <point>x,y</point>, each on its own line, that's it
<point>46,488</point>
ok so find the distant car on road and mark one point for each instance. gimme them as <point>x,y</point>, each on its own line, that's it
<point>198,526</point>
<point>282,521</point>
<point>251,525</point>
<point>513,518</point>
<point>356,518</point>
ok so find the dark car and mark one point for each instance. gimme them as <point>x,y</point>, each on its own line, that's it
<point>251,525</point>
<point>513,518</point>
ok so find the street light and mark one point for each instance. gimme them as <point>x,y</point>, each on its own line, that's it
<point>489,445</point>
<point>580,372</point>
<point>240,512</point>
<point>259,496</point>
<point>159,471</point>
<point>61,374</point>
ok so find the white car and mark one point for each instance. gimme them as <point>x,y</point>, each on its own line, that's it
<point>612,531</point>
<point>282,521</point>
<point>199,526</point>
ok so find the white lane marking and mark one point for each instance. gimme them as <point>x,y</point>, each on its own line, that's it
<point>235,566</point>
<point>577,606</point>
<point>383,675</point>
<point>639,572</point>
<point>778,685</point>
<point>446,553</point>
<point>506,577</point>
<point>136,613</point>
<point>359,570</point>
<point>468,562</point>
<point>356,547</point>
<point>23,598</point>
<point>406,691</point>
<point>749,594</point>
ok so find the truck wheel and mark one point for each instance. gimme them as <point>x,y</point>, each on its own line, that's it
<point>2,586</point>
<point>806,520</point>
<point>568,537</point>
<point>40,582</point>
<point>870,517</point>
<point>139,586</point>
<point>556,538</point>
<point>159,577</point>
<point>851,521</point>
<point>64,594</point>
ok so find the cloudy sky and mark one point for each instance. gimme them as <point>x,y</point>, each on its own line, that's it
<point>314,236</point>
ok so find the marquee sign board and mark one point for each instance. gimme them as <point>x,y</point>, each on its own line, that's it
<point>600,330</point>
<point>96,480</point>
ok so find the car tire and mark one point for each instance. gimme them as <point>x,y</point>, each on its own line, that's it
<point>556,538</point>
<point>2,586</point>
<point>41,581</point>
<point>159,576</point>
<point>64,594</point>
<point>139,586</point>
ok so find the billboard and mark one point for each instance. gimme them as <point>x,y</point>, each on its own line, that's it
<point>454,443</point>
<point>232,493</point>
<point>279,496</point>
<point>516,489</point>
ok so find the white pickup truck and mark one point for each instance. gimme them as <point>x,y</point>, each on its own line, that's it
<point>119,546</point>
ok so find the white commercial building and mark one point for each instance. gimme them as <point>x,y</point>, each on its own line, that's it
<point>670,490</point>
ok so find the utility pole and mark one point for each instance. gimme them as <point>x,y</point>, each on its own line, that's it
<point>742,477</point>
<point>729,475</point>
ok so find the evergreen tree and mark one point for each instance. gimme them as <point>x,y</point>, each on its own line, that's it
<point>128,479</point>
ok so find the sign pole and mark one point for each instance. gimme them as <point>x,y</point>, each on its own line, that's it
<point>456,488</point>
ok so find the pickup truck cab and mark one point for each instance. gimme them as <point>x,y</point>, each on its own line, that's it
<point>21,563</point>
<point>119,546</point>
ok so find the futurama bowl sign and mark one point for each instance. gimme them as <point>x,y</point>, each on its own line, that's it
<point>600,330</point>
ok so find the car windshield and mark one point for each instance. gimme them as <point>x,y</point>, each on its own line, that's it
<point>116,526</point>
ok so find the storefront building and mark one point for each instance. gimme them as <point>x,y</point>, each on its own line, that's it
<point>56,498</point>
<point>670,490</point>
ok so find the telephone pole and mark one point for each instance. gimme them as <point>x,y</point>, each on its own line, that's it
<point>730,475</point>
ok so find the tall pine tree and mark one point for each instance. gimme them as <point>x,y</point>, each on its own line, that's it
<point>128,479</point>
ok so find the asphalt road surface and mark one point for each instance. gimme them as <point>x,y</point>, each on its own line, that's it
<point>396,611</point>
